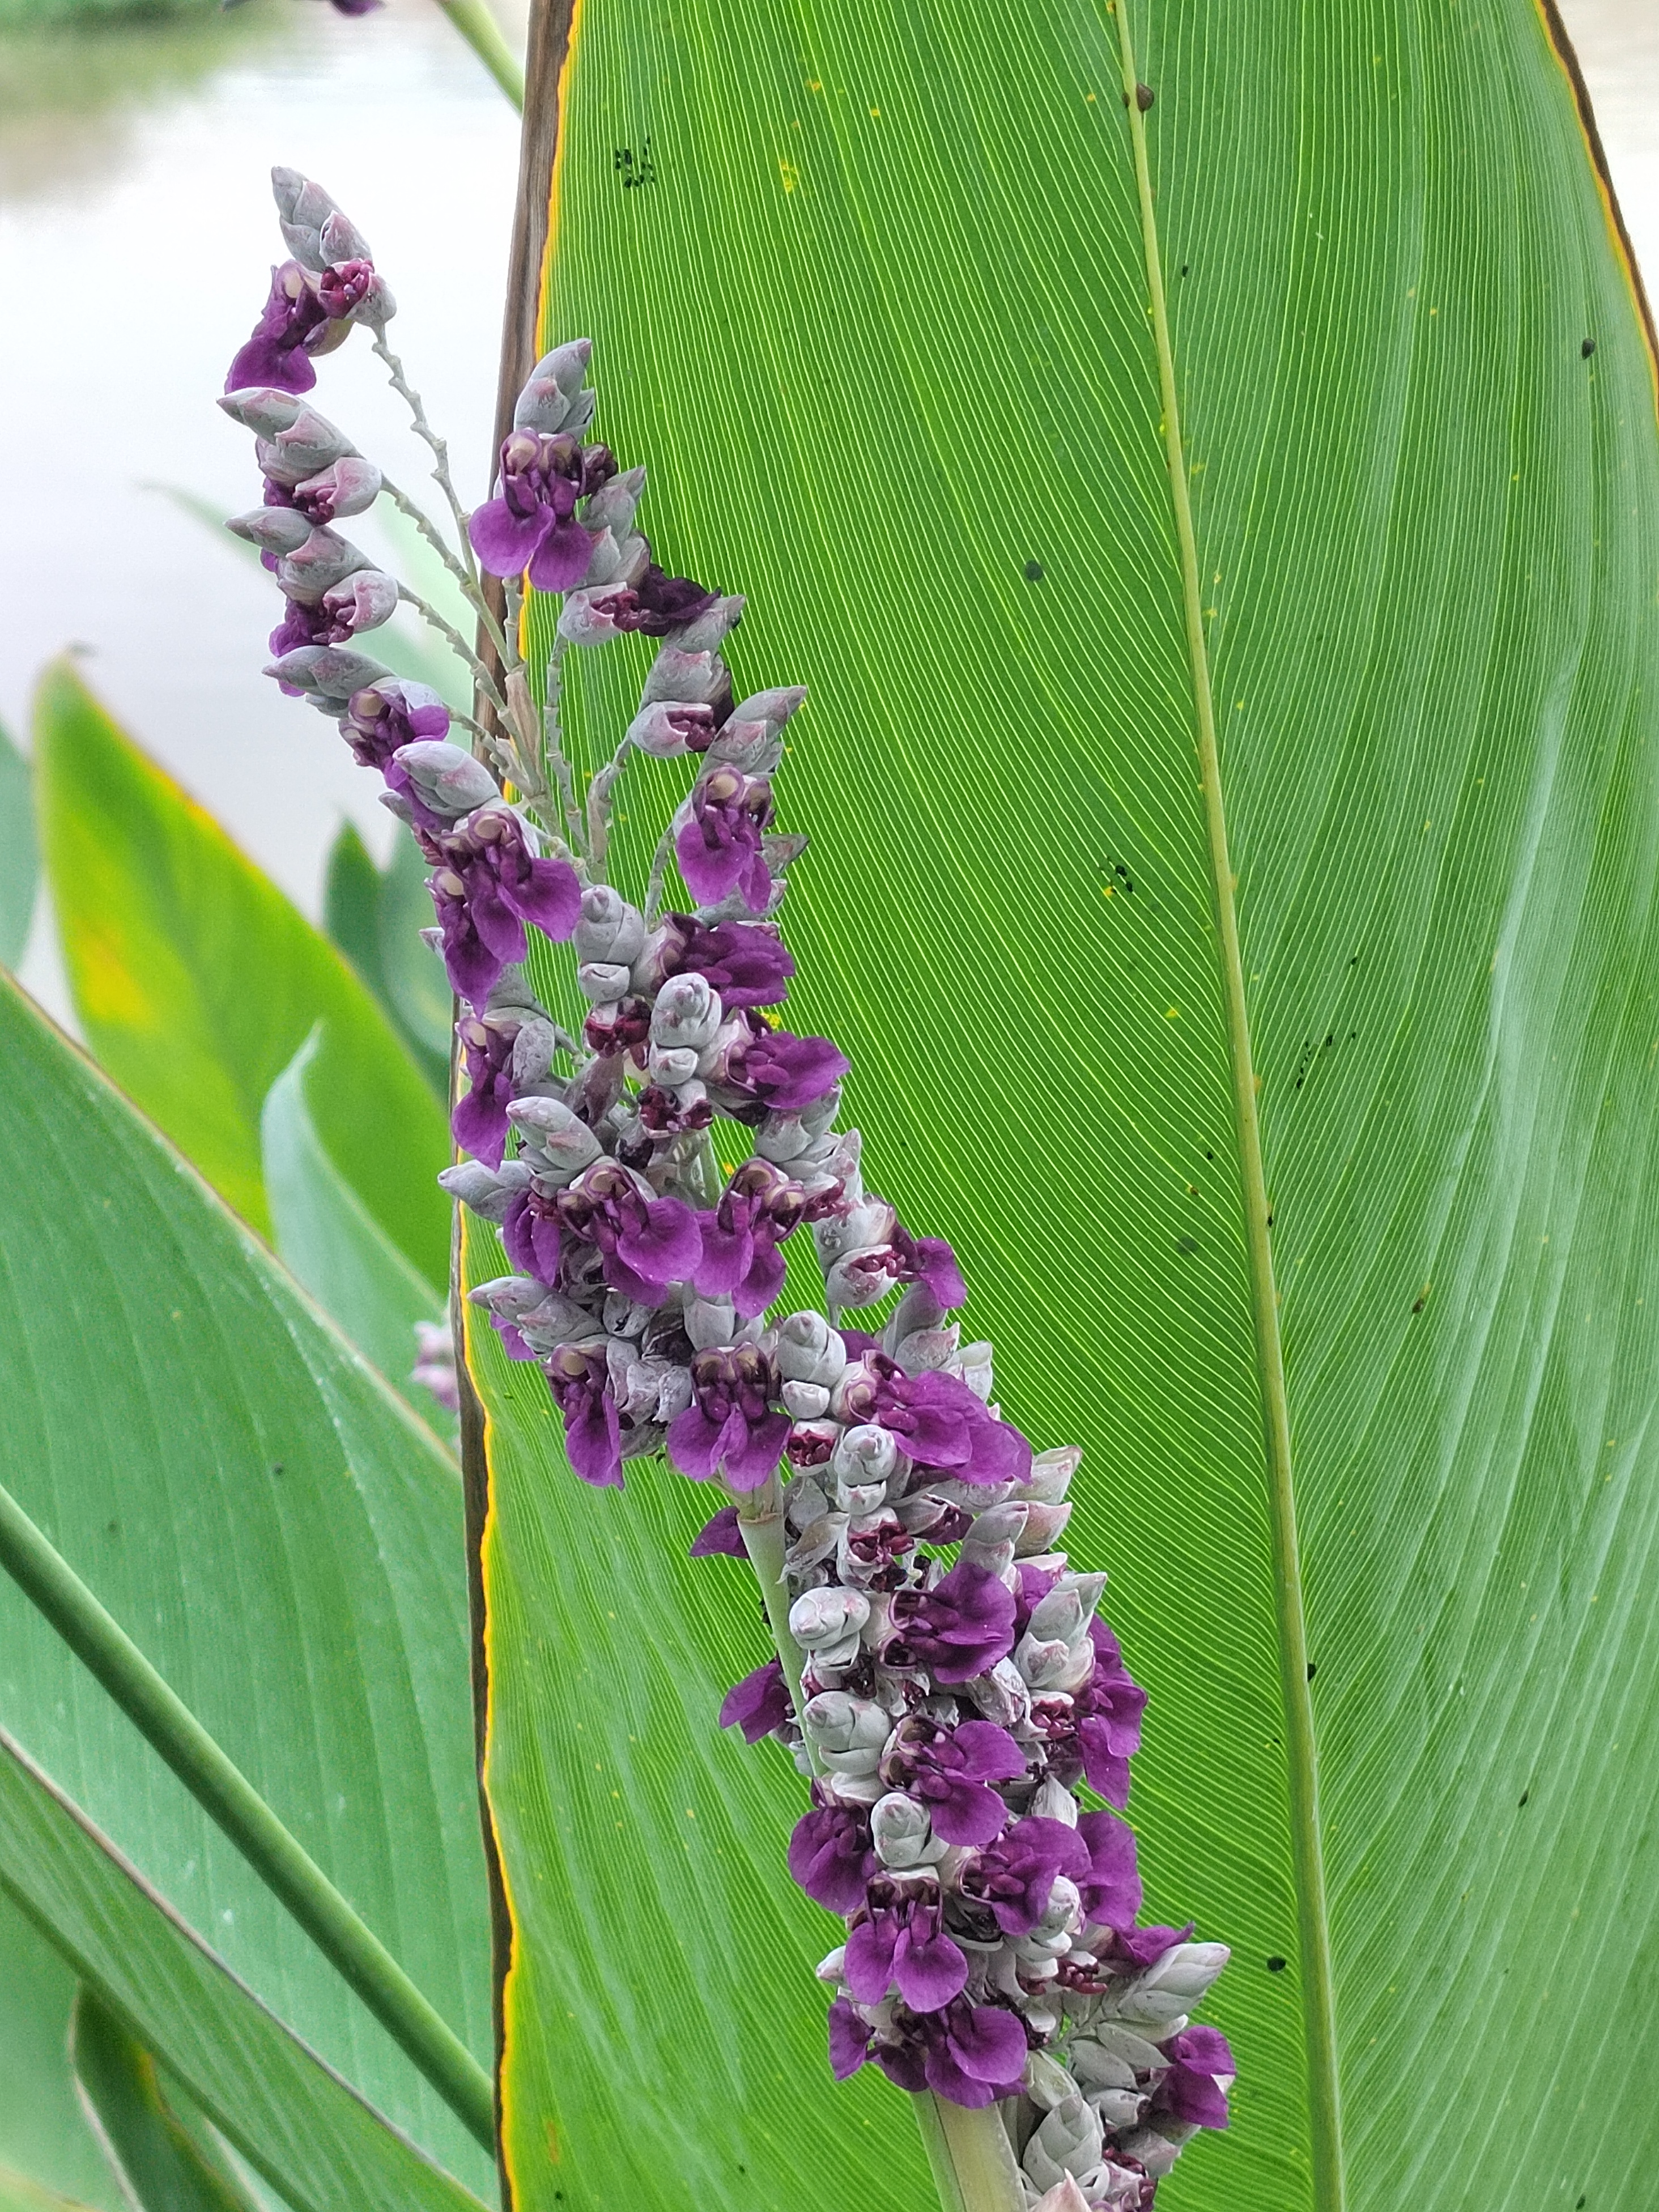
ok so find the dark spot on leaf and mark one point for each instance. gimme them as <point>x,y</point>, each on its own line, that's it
<point>1275,1965</point>
<point>1144,97</point>
<point>1033,572</point>
<point>1418,1305</point>
<point>1313,1668</point>
<point>1354,962</point>
<point>1525,1793</point>
<point>1187,1245</point>
<point>1579,2207</point>
<point>1183,268</point>
<point>277,1468</point>
<point>113,1528</point>
<point>1270,1221</point>
<point>1586,350</point>
<point>1209,1155</point>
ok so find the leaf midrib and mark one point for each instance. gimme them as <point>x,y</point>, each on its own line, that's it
<point>1319,2022</point>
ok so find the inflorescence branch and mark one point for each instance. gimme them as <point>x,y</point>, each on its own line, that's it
<point>940,1675</point>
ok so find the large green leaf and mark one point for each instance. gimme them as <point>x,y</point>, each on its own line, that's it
<point>327,1237</point>
<point>18,868</point>
<point>280,1536</point>
<point>298,2124</point>
<point>43,2133</point>
<point>162,2168</point>
<point>375,915</point>
<point>196,982</point>
<point>882,328</point>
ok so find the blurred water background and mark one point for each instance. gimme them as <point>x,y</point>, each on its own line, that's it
<point>136,225</point>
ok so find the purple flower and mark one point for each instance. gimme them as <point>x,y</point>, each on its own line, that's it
<point>647,1243</point>
<point>275,355</point>
<point>972,2054</point>
<point>655,603</point>
<point>929,1259</point>
<point>721,1538</point>
<point>530,523</point>
<point>479,1123</point>
<point>948,1770</point>
<point>345,286</point>
<point>740,1238</point>
<point>1105,1718</point>
<point>530,1235</point>
<point>1133,1949</point>
<point>383,719</point>
<point>1190,2091</point>
<point>831,1856</point>
<point>745,962</point>
<point>759,1066</point>
<point>958,1629</point>
<point>1014,1875</point>
<point>578,1378</point>
<point>729,1426</point>
<point>488,886</point>
<point>719,850</point>
<point>301,625</point>
<point>1111,1885</point>
<point>757,1704</point>
<point>940,1422</point>
<point>900,1939</point>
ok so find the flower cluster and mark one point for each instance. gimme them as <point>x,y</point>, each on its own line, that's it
<point>941,1676</point>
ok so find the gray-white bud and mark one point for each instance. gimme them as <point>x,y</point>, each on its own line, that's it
<point>487,1191</point>
<point>687,1014</point>
<point>563,1143</point>
<point>367,598</point>
<point>316,565</point>
<point>329,671</point>
<point>545,404</point>
<point>809,1351</point>
<point>903,1833</point>
<point>805,1401</point>
<point>710,1322</point>
<point>609,928</point>
<point>864,1456</point>
<point>827,1622</point>
<point>700,678</point>
<point>850,1732</point>
<point>273,529</point>
<point>1068,2140</point>
<point>450,781</point>
<point>707,630</point>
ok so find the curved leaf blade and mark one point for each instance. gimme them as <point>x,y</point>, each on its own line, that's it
<point>162,2166</point>
<point>296,2123</point>
<point>196,981</point>
<point>327,1238</point>
<point>19,868</point>
<point>235,1482</point>
<point>1425,528</point>
<point>43,2131</point>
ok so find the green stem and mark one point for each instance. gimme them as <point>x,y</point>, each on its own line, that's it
<point>760,1521</point>
<point>473,20</point>
<point>1318,2017</point>
<point>225,1793</point>
<point>971,2157</point>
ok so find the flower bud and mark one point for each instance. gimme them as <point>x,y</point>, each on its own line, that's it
<point>488,1191</point>
<point>850,1732</point>
<point>1052,1800</point>
<point>827,1623</point>
<point>808,1350</point>
<point>609,929</point>
<point>317,565</point>
<point>973,1364</point>
<point>1002,1697</point>
<point>341,240</point>
<point>544,403</point>
<point>1068,2140</point>
<point>560,1144</point>
<point>364,601</point>
<point>602,982</point>
<point>1045,1526</point>
<point>614,504</point>
<point>349,486</point>
<point>1051,1473</point>
<point>1155,2151</point>
<point>1177,1981</point>
<point>310,444</point>
<point>672,1067</point>
<point>702,679</point>
<point>903,1833</point>
<point>1068,1608</point>
<point>1109,2049</point>
<point>687,1014</point>
<point>615,563</point>
<point>705,631</point>
<point>449,781</point>
<point>328,671</point>
<point>263,410</point>
<point>302,208</point>
<point>866,1456</point>
<point>805,1401</point>
<point>671,726</point>
<point>925,1349</point>
<point>1048,2084</point>
<point>583,404</point>
<point>273,529</point>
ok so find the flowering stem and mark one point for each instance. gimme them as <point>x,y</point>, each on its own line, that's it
<point>457,644</point>
<point>227,1795</point>
<point>440,446</point>
<point>660,861</point>
<point>971,2157</point>
<point>473,20</point>
<point>599,802</point>
<point>467,581</point>
<point>760,1523</point>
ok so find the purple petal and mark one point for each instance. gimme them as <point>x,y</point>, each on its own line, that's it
<point>1111,1889</point>
<point>667,1247</point>
<point>551,899</point>
<point>992,1753</point>
<point>849,2040</point>
<point>694,1443</point>
<point>560,562</point>
<point>971,1815</point>
<point>592,1441</point>
<point>757,1455</point>
<point>989,2046</point>
<point>726,1254</point>
<point>709,874</point>
<point>721,1538</point>
<point>830,1857</point>
<point>762,1283</point>
<point>929,1973</point>
<point>479,1125</point>
<point>504,541</point>
<point>870,1957</point>
<point>936,1266</point>
<point>758,1704</point>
